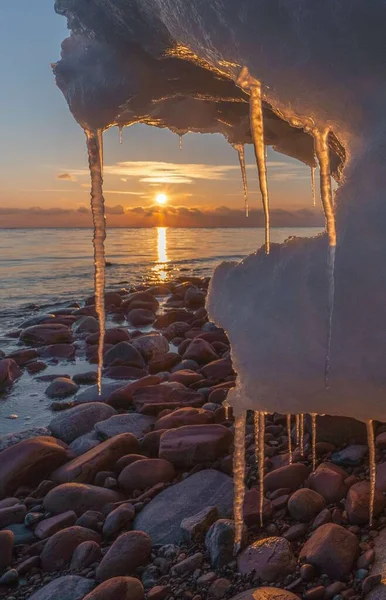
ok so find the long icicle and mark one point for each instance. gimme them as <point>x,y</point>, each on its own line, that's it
<point>301,435</point>
<point>180,137</point>
<point>323,155</point>
<point>95,158</point>
<point>289,439</point>
<point>371,444</point>
<point>313,420</point>
<point>297,417</point>
<point>261,464</point>
<point>257,435</point>
<point>239,478</point>
<point>313,185</point>
<point>241,153</point>
<point>120,134</point>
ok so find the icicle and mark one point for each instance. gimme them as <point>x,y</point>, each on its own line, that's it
<point>313,185</point>
<point>323,155</point>
<point>371,444</point>
<point>257,127</point>
<point>180,136</point>
<point>239,478</point>
<point>289,439</point>
<point>261,464</point>
<point>313,419</point>
<point>241,152</point>
<point>95,157</point>
<point>297,429</point>
<point>257,433</point>
<point>227,406</point>
<point>120,134</point>
<point>302,435</point>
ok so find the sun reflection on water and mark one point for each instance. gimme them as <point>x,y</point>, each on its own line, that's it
<point>160,270</point>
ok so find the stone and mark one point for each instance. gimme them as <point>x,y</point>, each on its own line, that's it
<point>218,369</point>
<point>22,357</point>
<point>130,551</point>
<point>296,532</point>
<point>134,423</point>
<point>159,592</point>
<point>123,353</point>
<point>61,388</point>
<point>188,565</point>
<point>380,479</point>
<point>350,456</point>
<point>164,363</point>
<point>27,565</point>
<point>119,520</point>
<point>184,416</point>
<point>29,462</point>
<point>91,519</point>
<point>143,474</point>
<point>358,503</point>
<point>195,444</point>
<point>194,528</point>
<point>72,423</point>
<point>52,525</point>
<point>218,589</point>
<point>251,509</point>
<point>162,517</point>
<point>305,504</point>
<point>69,587</point>
<point>123,397</point>
<point>86,554</point>
<point>46,334</point>
<point>118,588</point>
<point>266,593</point>
<point>9,372</point>
<point>339,431</point>
<point>112,299</point>
<point>84,443</point>
<point>155,398</point>
<point>332,550</point>
<point>186,377</point>
<point>272,558</point>
<point>200,351</point>
<point>103,457</point>
<point>112,336</point>
<point>12,514</point>
<point>66,351</point>
<point>79,498</point>
<point>220,542</point>
<point>86,324</point>
<point>127,460</point>
<point>6,548</point>
<point>291,477</point>
<point>322,518</point>
<point>58,550</point>
<point>10,439</point>
<point>22,534</point>
<point>151,346</point>
<point>10,577</point>
<point>328,483</point>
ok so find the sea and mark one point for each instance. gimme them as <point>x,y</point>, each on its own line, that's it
<point>43,269</point>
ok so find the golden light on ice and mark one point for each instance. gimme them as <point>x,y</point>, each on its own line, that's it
<point>161,199</point>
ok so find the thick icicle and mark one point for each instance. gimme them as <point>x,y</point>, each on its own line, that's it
<point>301,435</point>
<point>313,169</point>
<point>257,127</point>
<point>323,155</point>
<point>297,417</point>
<point>371,444</point>
<point>313,420</point>
<point>289,439</point>
<point>227,406</point>
<point>257,435</point>
<point>239,478</point>
<point>241,152</point>
<point>120,134</point>
<point>261,464</point>
<point>95,157</point>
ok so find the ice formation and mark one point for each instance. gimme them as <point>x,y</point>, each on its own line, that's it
<point>239,478</point>
<point>241,154</point>
<point>289,434</point>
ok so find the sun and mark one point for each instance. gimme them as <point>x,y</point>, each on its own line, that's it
<point>161,199</point>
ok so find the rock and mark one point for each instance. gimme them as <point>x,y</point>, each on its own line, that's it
<point>6,548</point>
<point>162,517</point>
<point>151,346</point>
<point>305,504</point>
<point>58,551</point>
<point>129,551</point>
<point>358,503</point>
<point>338,431</point>
<point>118,588</point>
<point>200,351</point>
<point>9,372</point>
<point>350,456</point>
<point>29,462</point>
<point>119,520</point>
<point>10,439</point>
<point>70,587</point>
<point>177,329</point>
<point>186,377</point>
<point>27,565</point>
<point>195,444</point>
<point>73,423</point>
<point>137,425</point>
<point>46,334</point>
<point>219,588</point>
<point>296,532</point>
<point>111,299</point>
<point>328,483</point>
<point>322,518</point>
<point>112,336</point>
<point>332,550</point>
<point>291,477</point>
<point>127,460</point>
<point>159,592</point>
<point>155,398</point>
<point>22,357</point>
<point>123,397</point>
<point>86,324</point>
<point>22,534</point>
<point>251,509</point>
<point>11,577</point>
<point>86,554</point>
<point>220,543</point>
<point>380,479</point>
<point>52,525</point>
<point>12,514</point>
<point>266,593</point>
<point>79,498</point>
<point>61,388</point>
<point>143,474</point>
<point>84,468</point>
<point>66,351</point>
<point>188,565</point>
<point>218,369</point>
<point>194,528</point>
<point>272,558</point>
<point>164,363</point>
<point>124,353</point>
<point>92,519</point>
<point>171,316</point>
<point>184,416</point>
<point>84,443</point>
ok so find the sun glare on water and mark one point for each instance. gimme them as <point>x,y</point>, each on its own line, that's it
<point>161,199</point>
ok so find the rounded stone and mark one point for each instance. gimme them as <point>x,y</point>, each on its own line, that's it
<point>272,558</point>
<point>118,588</point>
<point>305,504</point>
<point>129,551</point>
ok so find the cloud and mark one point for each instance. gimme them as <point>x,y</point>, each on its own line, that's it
<point>114,210</point>
<point>66,177</point>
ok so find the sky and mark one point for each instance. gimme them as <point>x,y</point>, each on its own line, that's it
<point>44,179</point>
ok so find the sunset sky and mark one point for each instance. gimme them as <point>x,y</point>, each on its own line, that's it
<point>44,178</point>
